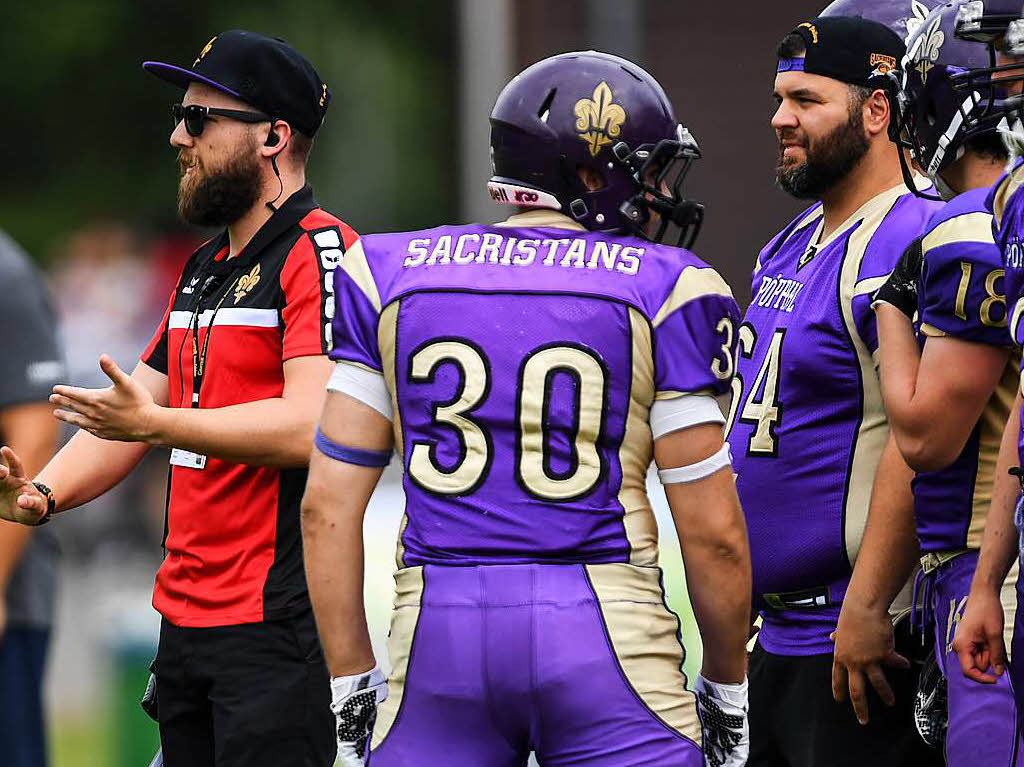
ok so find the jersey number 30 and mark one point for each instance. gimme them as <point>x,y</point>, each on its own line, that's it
<point>476,452</point>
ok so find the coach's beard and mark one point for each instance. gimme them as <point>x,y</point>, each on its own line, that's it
<point>221,196</point>
<point>827,162</point>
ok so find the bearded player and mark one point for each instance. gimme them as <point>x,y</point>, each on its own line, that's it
<point>809,433</point>
<point>526,373</point>
<point>979,636</point>
<point>949,402</point>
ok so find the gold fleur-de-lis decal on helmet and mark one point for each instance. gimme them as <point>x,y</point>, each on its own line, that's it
<point>247,283</point>
<point>599,120</point>
<point>920,13</point>
<point>203,52</point>
<point>926,53</point>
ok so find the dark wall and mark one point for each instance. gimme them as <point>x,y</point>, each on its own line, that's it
<point>716,60</point>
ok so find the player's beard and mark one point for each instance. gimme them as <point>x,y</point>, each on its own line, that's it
<point>219,196</point>
<point>828,160</point>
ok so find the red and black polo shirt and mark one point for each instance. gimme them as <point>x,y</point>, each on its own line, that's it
<point>234,552</point>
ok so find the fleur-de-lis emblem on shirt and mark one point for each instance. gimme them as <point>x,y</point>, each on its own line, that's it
<point>914,22</point>
<point>599,120</point>
<point>927,53</point>
<point>246,283</point>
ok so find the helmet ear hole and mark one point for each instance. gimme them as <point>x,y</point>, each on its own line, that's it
<point>592,178</point>
<point>545,107</point>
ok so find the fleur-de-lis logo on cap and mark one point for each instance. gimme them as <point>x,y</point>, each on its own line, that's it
<point>599,120</point>
<point>927,53</point>
<point>919,13</point>
<point>203,52</point>
<point>247,283</point>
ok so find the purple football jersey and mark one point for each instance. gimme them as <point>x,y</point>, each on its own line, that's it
<point>960,295</point>
<point>1006,201</point>
<point>522,360</point>
<point>807,423</point>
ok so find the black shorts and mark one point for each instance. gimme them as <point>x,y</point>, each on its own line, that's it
<point>795,722</point>
<point>253,694</point>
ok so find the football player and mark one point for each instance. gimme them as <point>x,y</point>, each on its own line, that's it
<point>526,373</point>
<point>808,428</point>
<point>948,404</point>
<point>979,636</point>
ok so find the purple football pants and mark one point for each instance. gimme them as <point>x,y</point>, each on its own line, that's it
<point>982,723</point>
<point>578,663</point>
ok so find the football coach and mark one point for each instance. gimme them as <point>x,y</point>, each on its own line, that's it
<point>233,382</point>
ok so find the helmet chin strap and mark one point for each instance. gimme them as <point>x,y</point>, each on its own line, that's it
<point>911,184</point>
<point>945,190</point>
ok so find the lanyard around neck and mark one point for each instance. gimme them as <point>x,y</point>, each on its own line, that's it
<point>199,355</point>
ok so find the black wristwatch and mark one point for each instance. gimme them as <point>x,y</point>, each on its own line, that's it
<point>51,503</point>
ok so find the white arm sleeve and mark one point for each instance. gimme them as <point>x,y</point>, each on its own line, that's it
<point>668,415</point>
<point>367,386</point>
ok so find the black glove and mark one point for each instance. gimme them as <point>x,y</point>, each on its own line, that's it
<point>900,289</point>
<point>148,701</point>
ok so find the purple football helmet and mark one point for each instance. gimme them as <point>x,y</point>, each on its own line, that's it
<point>997,24</point>
<point>940,109</point>
<point>904,17</point>
<point>606,116</point>
<point>985,21</point>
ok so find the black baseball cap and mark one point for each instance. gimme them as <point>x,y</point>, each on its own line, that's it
<point>262,71</point>
<point>850,49</point>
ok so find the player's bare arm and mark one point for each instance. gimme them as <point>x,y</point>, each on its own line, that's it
<point>932,405</point>
<point>864,641</point>
<point>333,506</point>
<point>979,635</point>
<point>716,556</point>
<point>268,432</point>
<point>31,433</point>
<point>332,531</point>
<point>86,467</point>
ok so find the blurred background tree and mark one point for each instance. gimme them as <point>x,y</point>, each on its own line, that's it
<point>87,128</point>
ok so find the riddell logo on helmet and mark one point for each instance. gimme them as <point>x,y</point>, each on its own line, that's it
<point>519,196</point>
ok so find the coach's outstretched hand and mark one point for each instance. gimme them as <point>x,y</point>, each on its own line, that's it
<point>864,645</point>
<point>978,641</point>
<point>20,500</point>
<point>122,411</point>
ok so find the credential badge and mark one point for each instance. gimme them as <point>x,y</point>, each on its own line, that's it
<point>599,120</point>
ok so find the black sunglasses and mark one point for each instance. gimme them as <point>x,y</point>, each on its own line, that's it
<point>196,115</point>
